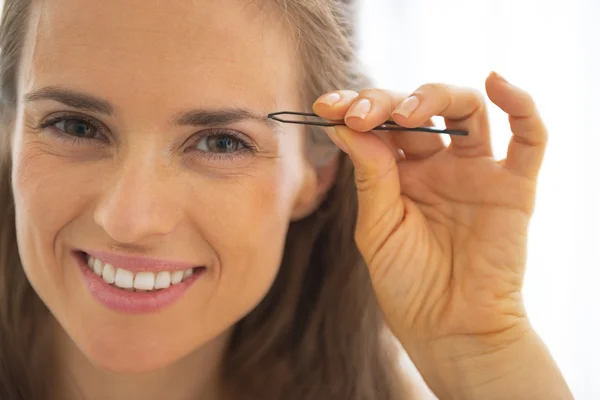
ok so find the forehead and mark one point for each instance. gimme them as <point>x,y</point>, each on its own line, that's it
<point>189,52</point>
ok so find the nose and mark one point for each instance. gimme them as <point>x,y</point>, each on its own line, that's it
<point>138,205</point>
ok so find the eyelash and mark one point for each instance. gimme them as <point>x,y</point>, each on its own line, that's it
<point>246,145</point>
<point>73,140</point>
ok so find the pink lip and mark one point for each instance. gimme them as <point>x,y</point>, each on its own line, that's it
<point>132,302</point>
<point>139,264</point>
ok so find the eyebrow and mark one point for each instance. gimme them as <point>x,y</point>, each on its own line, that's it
<point>196,117</point>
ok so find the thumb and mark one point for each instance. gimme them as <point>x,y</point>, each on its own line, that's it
<point>380,206</point>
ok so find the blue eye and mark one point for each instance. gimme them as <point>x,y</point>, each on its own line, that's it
<point>211,144</point>
<point>220,143</point>
<point>223,143</point>
<point>75,128</point>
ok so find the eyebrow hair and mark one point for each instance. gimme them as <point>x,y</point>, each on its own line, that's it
<point>195,117</point>
<point>71,98</point>
<point>222,116</point>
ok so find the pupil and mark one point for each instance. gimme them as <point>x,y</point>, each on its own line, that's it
<point>78,128</point>
<point>225,144</point>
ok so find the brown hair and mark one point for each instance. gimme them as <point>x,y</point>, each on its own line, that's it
<point>318,333</point>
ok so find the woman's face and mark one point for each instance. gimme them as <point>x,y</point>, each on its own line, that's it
<point>141,140</point>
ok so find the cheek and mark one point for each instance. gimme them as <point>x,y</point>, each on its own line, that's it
<point>46,199</point>
<point>245,223</point>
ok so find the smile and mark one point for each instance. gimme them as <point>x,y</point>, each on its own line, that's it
<point>141,281</point>
<point>135,285</point>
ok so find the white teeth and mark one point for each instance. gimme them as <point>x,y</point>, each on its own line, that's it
<point>144,280</point>
<point>124,279</point>
<point>176,277</point>
<point>140,282</point>
<point>163,280</point>
<point>98,267</point>
<point>108,273</point>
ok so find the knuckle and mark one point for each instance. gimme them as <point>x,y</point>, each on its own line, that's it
<point>477,96</point>
<point>476,100</point>
<point>379,96</point>
<point>530,100</point>
<point>433,88</point>
<point>348,94</point>
<point>371,92</point>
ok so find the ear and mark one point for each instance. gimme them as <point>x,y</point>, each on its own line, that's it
<point>317,182</point>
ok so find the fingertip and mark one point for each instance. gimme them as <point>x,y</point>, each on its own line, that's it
<point>407,122</point>
<point>356,124</point>
<point>495,75</point>
<point>403,114</point>
<point>328,99</point>
<point>333,105</point>
<point>495,80</point>
<point>321,109</point>
<point>511,99</point>
<point>493,83</point>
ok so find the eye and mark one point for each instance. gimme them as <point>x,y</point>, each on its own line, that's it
<point>77,127</point>
<point>74,127</point>
<point>222,142</point>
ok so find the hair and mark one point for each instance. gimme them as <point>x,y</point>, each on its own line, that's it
<point>318,333</point>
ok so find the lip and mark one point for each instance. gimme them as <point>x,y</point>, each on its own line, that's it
<point>132,302</point>
<point>139,264</point>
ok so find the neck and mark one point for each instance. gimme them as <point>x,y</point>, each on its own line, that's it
<point>194,377</point>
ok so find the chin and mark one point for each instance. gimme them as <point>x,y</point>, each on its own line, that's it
<point>122,359</point>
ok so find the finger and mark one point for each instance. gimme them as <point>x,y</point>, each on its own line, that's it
<point>415,145</point>
<point>419,145</point>
<point>396,152</point>
<point>462,108</point>
<point>360,111</point>
<point>380,102</point>
<point>380,208</point>
<point>530,136</point>
<point>334,105</point>
<point>371,108</point>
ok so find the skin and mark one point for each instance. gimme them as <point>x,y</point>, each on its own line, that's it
<point>442,229</point>
<point>139,184</point>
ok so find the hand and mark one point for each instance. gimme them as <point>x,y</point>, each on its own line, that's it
<point>443,229</point>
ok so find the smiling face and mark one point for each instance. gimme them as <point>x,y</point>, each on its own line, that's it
<point>140,132</point>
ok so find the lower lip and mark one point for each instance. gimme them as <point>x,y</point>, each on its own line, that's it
<point>132,302</point>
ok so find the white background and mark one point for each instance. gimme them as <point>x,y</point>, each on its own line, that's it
<point>550,48</point>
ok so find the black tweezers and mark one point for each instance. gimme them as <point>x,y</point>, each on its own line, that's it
<point>388,126</point>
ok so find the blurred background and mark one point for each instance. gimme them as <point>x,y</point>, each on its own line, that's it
<point>551,48</point>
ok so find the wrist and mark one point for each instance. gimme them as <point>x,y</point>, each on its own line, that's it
<point>512,365</point>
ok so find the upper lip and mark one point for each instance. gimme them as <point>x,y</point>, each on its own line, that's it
<point>138,263</point>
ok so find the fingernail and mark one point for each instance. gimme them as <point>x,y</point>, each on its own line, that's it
<point>499,76</point>
<point>360,109</point>
<point>407,107</point>
<point>330,99</point>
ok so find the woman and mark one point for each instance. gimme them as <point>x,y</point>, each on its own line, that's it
<point>161,238</point>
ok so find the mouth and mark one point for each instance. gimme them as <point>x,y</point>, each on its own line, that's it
<point>140,281</point>
<point>135,285</point>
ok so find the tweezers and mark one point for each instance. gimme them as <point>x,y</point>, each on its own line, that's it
<point>388,126</point>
